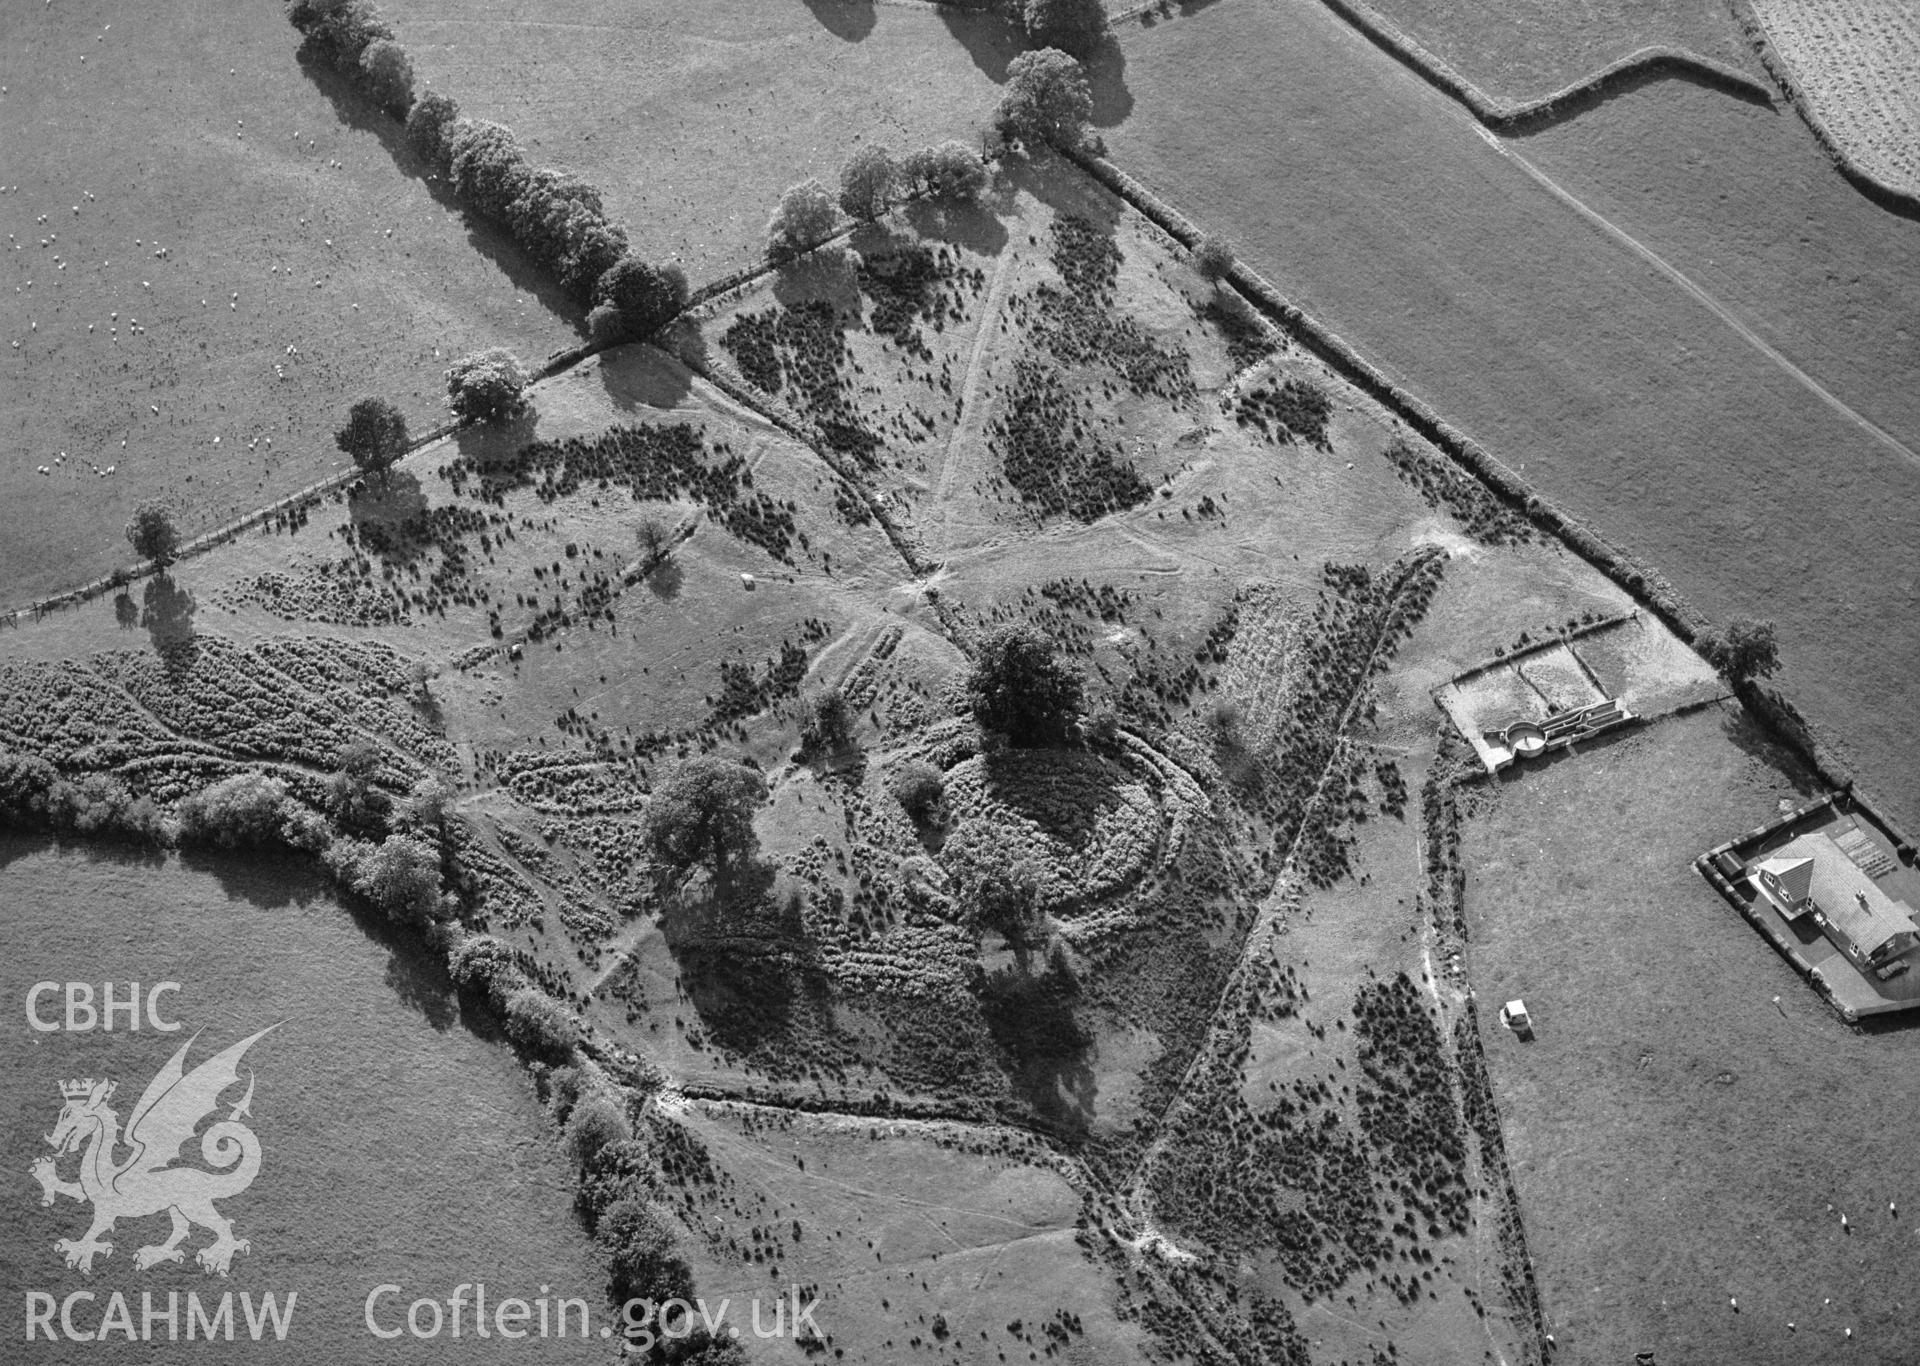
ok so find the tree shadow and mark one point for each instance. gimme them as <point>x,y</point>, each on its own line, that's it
<point>357,112</point>
<point>644,374</point>
<point>379,508</point>
<point>991,38</point>
<point>167,613</point>
<point>484,443</point>
<point>976,227</point>
<point>1753,738</point>
<point>270,879</point>
<point>1107,79</point>
<point>743,958</point>
<point>826,274</point>
<point>850,20</point>
<point>1045,1046</point>
<point>125,611</point>
<point>665,578</point>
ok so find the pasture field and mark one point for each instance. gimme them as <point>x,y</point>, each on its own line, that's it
<point>1521,49</point>
<point>397,1145</point>
<point>1752,211</point>
<point>1662,1018</point>
<point>692,121</point>
<point>1855,62</point>
<point>191,131</point>
<point>1382,209</point>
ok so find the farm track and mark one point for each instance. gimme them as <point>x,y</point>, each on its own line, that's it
<point>1134,1197</point>
<point>963,424</point>
<point>1706,300</point>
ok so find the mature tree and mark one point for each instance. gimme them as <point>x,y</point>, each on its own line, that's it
<point>594,247</point>
<point>1213,258</point>
<point>1742,650</point>
<point>919,788</point>
<point>828,724</point>
<point>401,875</point>
<point>1019,689</point>
<point>486,166</point>
<point>653,537</point>
<point>375,436</point>
<point>596,1122</point>
<point>869,182</point>
<point>486,386</point>
<point>429,126</point>
<point>152,534</point>
<point>388,74</point>
<point>647,296</point>
<point>703,813</point>
<point>1072,25</point>
<point>642,1263</point>
<point>1046,99</point>
<point>805,218</point>
<point>953,173</point>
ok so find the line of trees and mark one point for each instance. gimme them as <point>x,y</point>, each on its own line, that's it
<point>871,182</point>
<point>557,218</point>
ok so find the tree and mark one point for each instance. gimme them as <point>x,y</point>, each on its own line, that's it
<point>486,386</point>
<point>486,166</point>
<point>401,875</point>
<point>828,723</point>
<point>375,436</point>
<point>953,173</point>
<point>1742,650</point>
<point>703,813</point>
<point>1020,690</point>
<point>1072,25</point>
<point>919,788</point>
<point>647,296</point>
<point>868,182</point>
<point>805,218</point>
<point>1213,258</point>
<point>429,125</point>
<point>597,1121</point>
<point>642,1263</point>
<point>152,534</point>
<point>653,538</point>
<point>1046,99</point>
<point>388,75</point>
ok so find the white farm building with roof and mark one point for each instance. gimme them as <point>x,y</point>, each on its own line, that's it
<point>1811,875</point>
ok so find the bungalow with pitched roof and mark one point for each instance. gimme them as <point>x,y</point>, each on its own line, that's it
<point>1811,875</point>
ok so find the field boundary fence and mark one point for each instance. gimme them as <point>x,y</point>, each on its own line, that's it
<point>218,535</point>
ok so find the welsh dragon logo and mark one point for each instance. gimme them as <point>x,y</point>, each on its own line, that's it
<point>145,1181</point>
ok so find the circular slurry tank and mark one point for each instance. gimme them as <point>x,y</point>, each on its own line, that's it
<point>1526,739</point>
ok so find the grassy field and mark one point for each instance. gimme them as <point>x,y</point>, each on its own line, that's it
<point>1662,1018</point>
<point>284,222</point>
<point>1379,207</point>
<point>1854,62</point>
<point>397,1146</point>
<point>692,121</point>
<point>1525,48</point>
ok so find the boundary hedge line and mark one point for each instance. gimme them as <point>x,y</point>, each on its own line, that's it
<point>1657,59</point>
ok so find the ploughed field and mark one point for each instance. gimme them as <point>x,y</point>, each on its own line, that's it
<point>397,1146</point>
<point>1382,209</point>
<point>1857,63</point>
<point>182,205</point>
